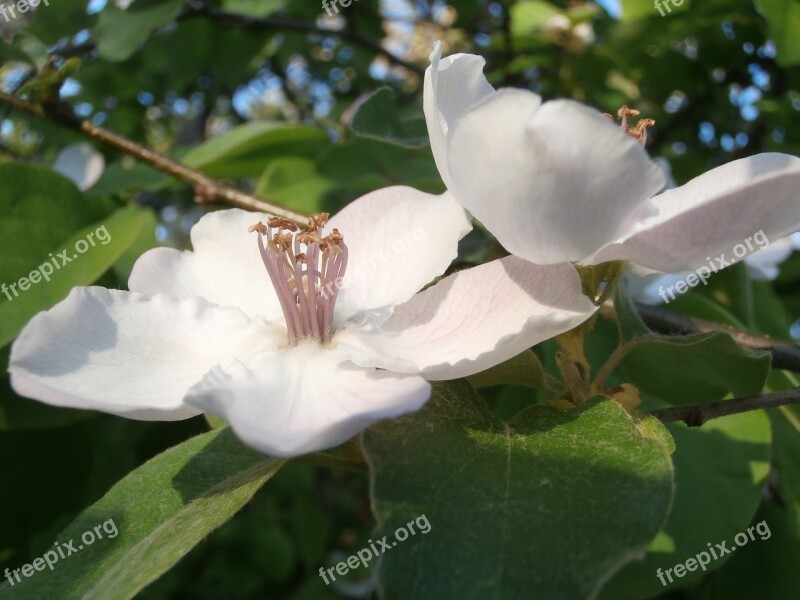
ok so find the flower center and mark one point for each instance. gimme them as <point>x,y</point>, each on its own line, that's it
<point>306,271</point>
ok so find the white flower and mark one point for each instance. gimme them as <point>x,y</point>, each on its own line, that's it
<point>557,181</point>
<point>206,331</point>
<point>80,163</point>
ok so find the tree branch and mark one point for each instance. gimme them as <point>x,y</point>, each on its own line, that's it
<point>696,415</point>
<point>207,189</point>
<point>784,356</point>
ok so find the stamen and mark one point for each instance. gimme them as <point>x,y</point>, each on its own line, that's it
<point>639,131</point>
<point>306,271</point>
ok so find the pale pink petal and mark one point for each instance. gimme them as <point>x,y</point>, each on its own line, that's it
<point>718,217</point>
<point>129,354</point>
<point>473,320</point>
<point>452,85</point>
<point>303,399</point>
<point>553,183</point>
<point>225,267</point>
<point>399,240</point>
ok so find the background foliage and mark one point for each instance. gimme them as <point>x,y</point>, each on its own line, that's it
<point>307,110</point>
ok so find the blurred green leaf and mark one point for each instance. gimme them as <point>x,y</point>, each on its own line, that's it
<point>377,119</point>
<point>119,33</point>
<point>160,510</point>
<point>783,18</point>
<point>245,150</point>
<point>524,369</point>
<point>694,369</point>
<point>554,501</point>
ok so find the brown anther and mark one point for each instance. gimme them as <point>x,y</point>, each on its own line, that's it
<point>335,239</point>
<point>282,240</point>
<point>308,237</point>
<point>608,116</point>
<point>301,257</point>
<point>639,132</point>
<point>317,221</point>
<point>259,227</point>
<point>281,223</point>
<point>625,112</point>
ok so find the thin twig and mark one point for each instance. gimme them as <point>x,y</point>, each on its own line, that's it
<point>207,189</point>
<point>784,356</point>
<point>696,415</point>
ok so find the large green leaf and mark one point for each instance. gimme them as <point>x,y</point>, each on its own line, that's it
<point>553,502</point>
<point>786,427</point>
<point>783,19</point>
<point>245,150</point>
<point>696,368</point>
<point>119,33</point>
<point>28,250</point>
<point>160,511</point>
<point>377,119</point>
<point>720,471</point>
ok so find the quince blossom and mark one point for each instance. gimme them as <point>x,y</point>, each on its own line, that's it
<point>298,338</point>
<point>557,181</point>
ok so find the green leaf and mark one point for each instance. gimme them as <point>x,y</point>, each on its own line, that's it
<point>639,9</point>
<point>254,8</point>
<point>244,150</point>
<point>783,20</point>
<point>786,428</point>
<point>554,501</point>
<point>119,33</point>
<point>37,217</point>
<point>295,182</point>
<point>720,471</point>
<point>629,323</point>
<point>160,511</point>
<point>764,568</point>
<point>698,368</point>
<point>377,119</point>
<point>527,17</point>
<point>523,369</point>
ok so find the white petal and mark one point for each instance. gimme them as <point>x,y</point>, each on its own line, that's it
<point>730,210</point>
<point>399,240</point>
<point>553,183</point>
<point>80,163</point>
<point>225,267</point>
<point>763,265</point>
<point>128,354</point>
<point>452,86</point>
<point>473,320</point>
<point>303,399</point>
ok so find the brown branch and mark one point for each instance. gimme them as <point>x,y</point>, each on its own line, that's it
<point>206,188</point>
<point>784,356</point>
<point>696,415</point>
